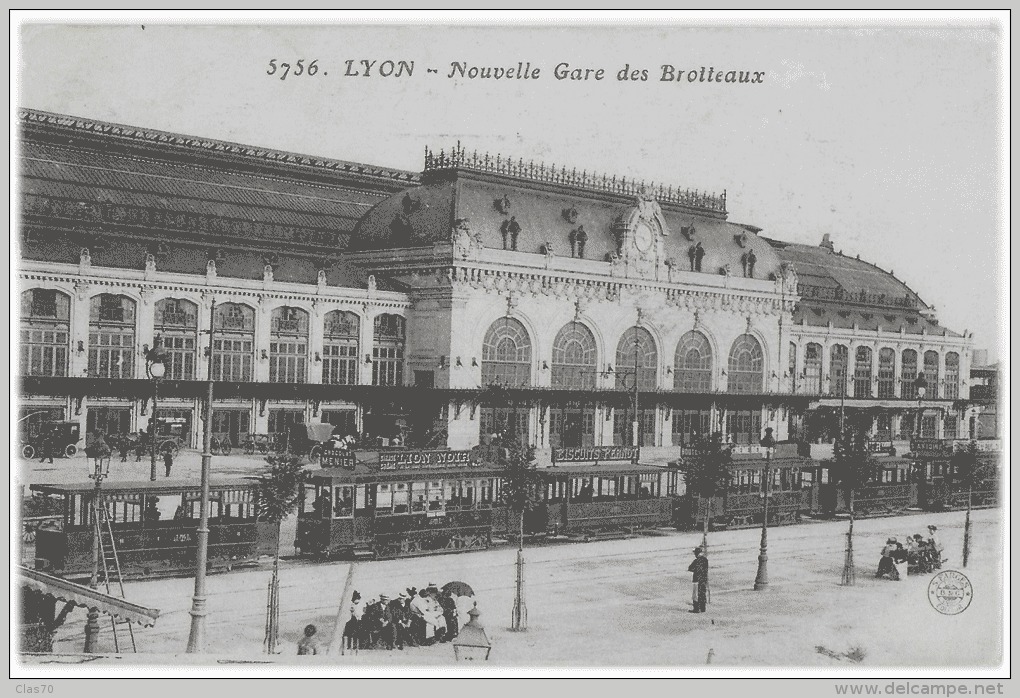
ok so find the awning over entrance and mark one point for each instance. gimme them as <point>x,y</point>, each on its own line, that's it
<point>69,592</point>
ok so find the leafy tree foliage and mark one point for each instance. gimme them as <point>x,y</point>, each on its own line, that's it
<point>967,468</point>
<point>853,465</point>
<point>279,487</point>
<point>707,473</point>
<point>520,477</point>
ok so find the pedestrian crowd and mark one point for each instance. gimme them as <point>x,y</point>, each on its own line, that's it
<point>919,555</point>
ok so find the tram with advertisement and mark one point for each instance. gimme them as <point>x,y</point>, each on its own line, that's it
<point>894,489</point>
<point>397,504</point>
<point>789,487</point>
<point>601,491</point>
<point>405,503</point>
<point>939,486</point>
<point>154,526</point>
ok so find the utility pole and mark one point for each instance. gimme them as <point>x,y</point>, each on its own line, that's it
<point>196,638</point>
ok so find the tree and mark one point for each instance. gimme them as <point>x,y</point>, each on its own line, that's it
<point>520,480</point>
<point>706,475</point>
<point>967,471</point>
<point>853,467</point>
<point>278,494</point>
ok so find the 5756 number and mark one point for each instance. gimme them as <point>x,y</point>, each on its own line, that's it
<point>299,68</point>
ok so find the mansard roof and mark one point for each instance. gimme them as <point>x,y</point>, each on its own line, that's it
<point>548,206</point>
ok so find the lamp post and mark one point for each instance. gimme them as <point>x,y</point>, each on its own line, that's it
<point>761,581</point>
<point>196,636</point>
<point>155,368</point>
<point>921,386</point>
<point>100,472</point>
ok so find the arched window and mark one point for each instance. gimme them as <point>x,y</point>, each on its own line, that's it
<point>839,365</point>
<point>886,373</point>
<point>506,354</point>
<point>746,366</point>
<point>233,342</point>
<point>813,368</point>
<point>176,323</point>
<point>931,373</point>
<point>908,374</point>
<point>574,358</point>
<point>388,350</point>
<point>952,377</point>
<point>692,369</point>
<point>341,331</point>
<point>111,336</point>
<point>45,331</point>
<point>288,345</point>
<point>636,347</point>
<point>862,372</point>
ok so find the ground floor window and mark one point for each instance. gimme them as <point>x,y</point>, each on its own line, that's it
<point>343,421</point>
<point>234,424</point>
<point>571,426</point>
<point>508,421</point>
<point>690,425</point>
<point>743,426</point>
<point>929,426</point>
<point>108,420</point>
<point>623,426</point>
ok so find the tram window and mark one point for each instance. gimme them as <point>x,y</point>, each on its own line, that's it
<point>435,496</point>
<point>823,476</point>
<point>400,494</point>
<point>467,493</point>
<point>384,499</point>
<point>308,499</point>
<point>487,488</point>
<point>418,491</point>
<point>451,492</point>
<point>344,506</point>
<point>320,504</point>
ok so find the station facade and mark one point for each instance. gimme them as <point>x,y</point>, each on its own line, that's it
<point>480,295</point>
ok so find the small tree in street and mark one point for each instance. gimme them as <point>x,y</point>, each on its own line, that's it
<point>706,475</point>
<point>278,493</point>
<point>969,472</point>
<point>853,467</point>
<point>519,491</point>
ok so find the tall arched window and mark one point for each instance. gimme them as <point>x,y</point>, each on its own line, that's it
<point>340,333</point>
<point>908,374</point>
<point>45,330</point>
<point>111,336</point>
<point>288,345</point>
<point>692,368</point>
<point>862,372</point>
<point>573,357</point>
<point>637,347</point>
<point>886,373</point>
<point>506,354</point>
<point>233,342</point>
<point>839,365</point>
<point>388,350</point>
<point>952,377</point>
<point>931,373</point>
<point>176,323</point>
<point>813,368</point>
<point>746,366</point>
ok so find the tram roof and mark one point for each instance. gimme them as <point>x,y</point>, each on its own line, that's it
<point>611,468</point>
<point>144,486</point>
<point>363,472</point>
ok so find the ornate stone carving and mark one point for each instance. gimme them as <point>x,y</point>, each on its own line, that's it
<point>371,283</point>
<point>570,215</point>
<point>741,239</point>
<point>210,270</point>
<point>267,274</point>
<point>146,295</point>
<point>84,261</point>
<point>320,280</point>
<point>81,289</point>
<point>465,243</point>
<point>502,204</point>
<point>150,265</point>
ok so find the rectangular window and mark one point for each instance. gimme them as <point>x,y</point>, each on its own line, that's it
<point>340,364</point>
<point>400,496</point>
<point>111,354</point>
<point>383,500</point>
<point>287,362</point>
<point>689,424</point>
<point>744,426</point>
<point>388,365</point>
<point>418,503</point>
<point>180,357</point>
<point>232,360</point>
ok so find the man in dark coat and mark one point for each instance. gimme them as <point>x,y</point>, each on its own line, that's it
<point>168,460</point>
<point>46,449</point>
<point>449,605</point>
<point>699,568</point>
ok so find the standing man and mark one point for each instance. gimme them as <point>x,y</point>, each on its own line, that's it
<point>699,568</point>
<point>46,449</point>
<point>168,460</point>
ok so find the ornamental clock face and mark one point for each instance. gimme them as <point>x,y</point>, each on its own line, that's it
<point>643,237</point>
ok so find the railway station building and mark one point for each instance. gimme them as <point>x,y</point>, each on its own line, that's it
<point>481,294</point>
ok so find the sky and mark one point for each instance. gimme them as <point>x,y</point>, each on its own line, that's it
<point>888,137</point>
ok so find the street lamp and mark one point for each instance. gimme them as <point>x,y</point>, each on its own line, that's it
<point>156,369</point>
<point>471,643</point>
<point>100,472</point>
<point>762,579</point>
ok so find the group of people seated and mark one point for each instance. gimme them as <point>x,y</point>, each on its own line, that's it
<point>414,618</point>
<point>919,555</point>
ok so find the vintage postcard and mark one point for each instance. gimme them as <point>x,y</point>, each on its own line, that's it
<point>637,345</point>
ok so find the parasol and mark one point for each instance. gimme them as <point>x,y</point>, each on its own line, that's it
<point>459,589</point>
